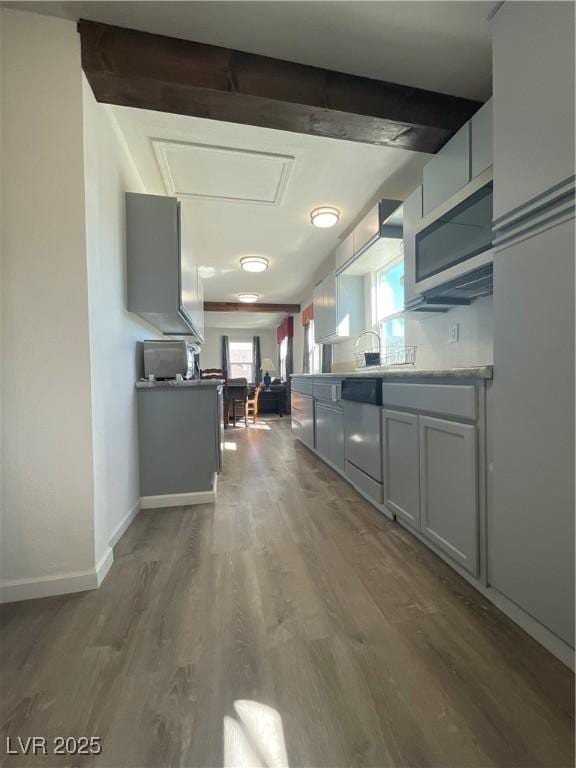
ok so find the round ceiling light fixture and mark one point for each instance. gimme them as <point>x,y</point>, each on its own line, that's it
<point>248,298</point>
<point>324,217</point>
<point>254,263</point>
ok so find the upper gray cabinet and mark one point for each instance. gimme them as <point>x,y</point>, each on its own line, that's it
<point>345,251</point>
<point>481,139</point>
<point>338,308</point>
<point>448,171</point>
<point>367,229</point>
<point>533,64</point>
<point>164,285</point>
<point>412,218</point>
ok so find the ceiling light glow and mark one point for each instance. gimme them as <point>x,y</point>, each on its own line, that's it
<point>324,217</point>
<point>254,263</point>
<point>248,298</point>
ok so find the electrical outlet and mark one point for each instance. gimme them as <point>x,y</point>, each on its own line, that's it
<point>453,333</point>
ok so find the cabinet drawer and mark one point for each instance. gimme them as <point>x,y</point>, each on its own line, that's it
<point>457,400</point>
<point>328,392</point>
<point>302,403</point>
<point>297,417</point>
<point>303,386</point>
<point>370,487</point>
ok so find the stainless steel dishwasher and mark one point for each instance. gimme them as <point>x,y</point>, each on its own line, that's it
<point>363,434</point>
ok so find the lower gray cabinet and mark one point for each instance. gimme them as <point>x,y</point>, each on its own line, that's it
<point>329,422</point>
<point>401,465</point>
<point>303,417</point>
<point>448,489</point>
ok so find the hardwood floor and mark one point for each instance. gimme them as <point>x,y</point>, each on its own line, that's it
<point>295,593</point>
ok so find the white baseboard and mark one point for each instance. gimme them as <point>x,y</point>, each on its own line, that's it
<point>104,565</point>
<point>180,499</point>
<point>124,524</point>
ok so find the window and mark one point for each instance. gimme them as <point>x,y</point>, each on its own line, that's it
<point>313,349</point>
<point>241,360</point>
<point>390,303</point>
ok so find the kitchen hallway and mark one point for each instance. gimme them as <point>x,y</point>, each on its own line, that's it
<point>294,593</point>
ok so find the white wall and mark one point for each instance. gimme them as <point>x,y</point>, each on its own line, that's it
<point>476,336</point>
<point>211,355</point>
<point>429,333</point>
<point>47,470</point>
<point>114,332</point>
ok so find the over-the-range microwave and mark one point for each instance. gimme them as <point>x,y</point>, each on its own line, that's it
<point>456,243</point>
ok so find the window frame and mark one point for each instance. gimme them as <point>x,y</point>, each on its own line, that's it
<point>232,364</point>
<point>381,320</point>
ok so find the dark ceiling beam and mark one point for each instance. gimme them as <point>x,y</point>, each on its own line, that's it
<point>138,69</point>
<point>236,306</point>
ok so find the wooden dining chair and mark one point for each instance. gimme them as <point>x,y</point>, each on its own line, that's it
<point>236,393</point>
<point>252,404</point>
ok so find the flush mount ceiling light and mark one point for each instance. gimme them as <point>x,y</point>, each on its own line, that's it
<point>248,298</point>
<point>325,217</point>
<point>254,263</point>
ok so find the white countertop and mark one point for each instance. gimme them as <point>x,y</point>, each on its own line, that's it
<point>476,372</point>
<point>173,384</point>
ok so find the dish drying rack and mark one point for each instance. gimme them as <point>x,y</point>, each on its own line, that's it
<point>395,355</point>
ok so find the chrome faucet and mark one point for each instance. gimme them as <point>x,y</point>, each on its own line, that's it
<point>357,339</point>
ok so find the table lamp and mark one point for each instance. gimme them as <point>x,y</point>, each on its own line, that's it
<point>267,366</point>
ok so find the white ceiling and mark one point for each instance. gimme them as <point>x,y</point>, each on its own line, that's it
<point>224,166</point>
<point>443,46</point>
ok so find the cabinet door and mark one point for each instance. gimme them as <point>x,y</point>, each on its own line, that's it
<point>329,423</point>
<point>329,288</point>
<point>448,171</point>
<point>401,464</point>
<point>345,251</point>
<point>318,302</point>
<point>531,517</point>
<point>306,404</point>
<point>350,320</point>
<point>411,218</point>
<point>367,229</point>
<point>449,489</point>
<point>533,123</point>
<point>481,139</point>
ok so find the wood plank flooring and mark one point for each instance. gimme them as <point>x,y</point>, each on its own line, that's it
<point>295,593</point>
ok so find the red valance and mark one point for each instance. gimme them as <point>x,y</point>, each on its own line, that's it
<point>285,329</point>
<point>307,314</point>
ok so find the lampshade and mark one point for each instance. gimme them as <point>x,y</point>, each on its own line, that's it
<point>267,365</point>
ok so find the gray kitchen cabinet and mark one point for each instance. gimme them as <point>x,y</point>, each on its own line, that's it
<point>302,414</point>
<point>449,489</point>
<point>163,279</point>
<point>481,139</point>
<point>319,314</point>
<point>344,252</point>
<point>411,221</point>
<point>179,433</point>
<point>531,521</point>
<point>329,310</point>
<point>533,44</point>
<point>401,465</point>
<point>329,430</point>
<point>367,229</point>
<point>338,308</point>
<point>448,171</point>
